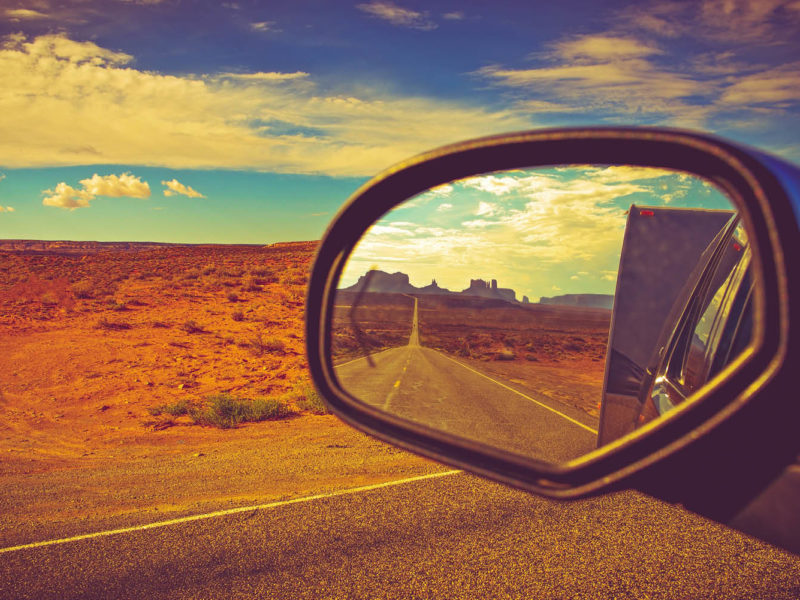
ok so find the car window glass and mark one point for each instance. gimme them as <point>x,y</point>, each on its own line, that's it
<point>704,341</point>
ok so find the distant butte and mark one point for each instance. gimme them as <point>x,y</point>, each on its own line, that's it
<point>398,283</point>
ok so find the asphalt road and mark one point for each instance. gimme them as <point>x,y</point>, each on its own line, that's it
<point>429,387</point>
<point>452,537</point>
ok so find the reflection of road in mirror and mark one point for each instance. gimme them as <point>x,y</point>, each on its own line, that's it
<point>507,344</point>
<point>429,387</point>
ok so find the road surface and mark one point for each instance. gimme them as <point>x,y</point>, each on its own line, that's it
<point>430,387</point>
<point>451,537</point>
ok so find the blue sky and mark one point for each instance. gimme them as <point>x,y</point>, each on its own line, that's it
<point>258,119</point>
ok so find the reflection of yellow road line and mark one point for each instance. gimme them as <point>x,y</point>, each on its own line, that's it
<point>560,414</point>
<point>350,362</point>
<point>230,511</point>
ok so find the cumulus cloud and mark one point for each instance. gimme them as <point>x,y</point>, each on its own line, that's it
<point>175,187</point>
<point>114,186</point>
<point>445,206</point>
<point>84,104</point>
<point>66,196</point>
<point>397,15</point>
<point>456,15</point>
<point>6,208</point>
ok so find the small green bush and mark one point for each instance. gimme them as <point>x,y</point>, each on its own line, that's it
<point>307,398</point>
<point>178,409</point>
<point>226,411</point>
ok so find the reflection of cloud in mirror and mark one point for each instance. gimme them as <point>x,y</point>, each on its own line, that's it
<point>536,231</point>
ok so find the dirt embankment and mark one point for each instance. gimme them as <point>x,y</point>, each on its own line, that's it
<point>94,343</point>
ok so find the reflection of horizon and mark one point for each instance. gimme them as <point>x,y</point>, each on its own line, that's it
<point>378,281</point>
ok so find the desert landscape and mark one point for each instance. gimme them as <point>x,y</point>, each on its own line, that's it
<point>141,379</point>
<point>551,349</point>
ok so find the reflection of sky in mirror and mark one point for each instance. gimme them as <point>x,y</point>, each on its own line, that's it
<point>542,232</point>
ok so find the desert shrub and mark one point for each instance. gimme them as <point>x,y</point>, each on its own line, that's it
<point>232,297</point>
<point>260,345</point>
<point>83,289</point>
<point>260,272</point>
<point>250,285</point>
<point>262,409</point>
<point>177,409</point>
<point>159,324</point>
<point>237,315</point>
<point>49,299</point>
<point>306,397</point>
<point>192,326</point>
<point>191,274</point>
<point>505,354</point>
<point>114,305</point>
<point>294,279</point>
<point>231,272</point>
<point>226,411</point>
<point>104,323</point>
<point>209,269</point>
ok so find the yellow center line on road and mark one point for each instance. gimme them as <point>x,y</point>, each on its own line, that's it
<point>230,511</point>
<point>560,414</point>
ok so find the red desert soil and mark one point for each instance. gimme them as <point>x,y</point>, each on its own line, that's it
<point>94,342</point>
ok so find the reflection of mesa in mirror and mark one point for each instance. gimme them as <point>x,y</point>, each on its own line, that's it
<point>377,281</point>
<point>483,308</point>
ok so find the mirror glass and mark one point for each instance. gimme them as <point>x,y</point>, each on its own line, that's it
<point>484,307</point>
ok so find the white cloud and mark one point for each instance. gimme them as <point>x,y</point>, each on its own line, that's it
<point>485,209</point>
<point>603,72</point>
<point>6,208</point>
<point>176,187</point>
<point>2,176</point>
<point>397,15</point>
<point>83,104</point>
<point>24,14</point>
<point>263,26</point>
<point>456,15</point>
<point>114,186</point>
<point>445,206</point>
<point>66,196</point>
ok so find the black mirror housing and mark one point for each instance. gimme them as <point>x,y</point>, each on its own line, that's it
<point>737,434</point>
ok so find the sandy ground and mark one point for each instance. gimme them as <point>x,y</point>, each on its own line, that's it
<point>93,343</point>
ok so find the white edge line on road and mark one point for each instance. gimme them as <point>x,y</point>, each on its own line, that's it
<point>560,414</point>
<point>229,511</point>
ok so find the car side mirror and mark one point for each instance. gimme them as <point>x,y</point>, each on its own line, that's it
<point>567,311</point>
